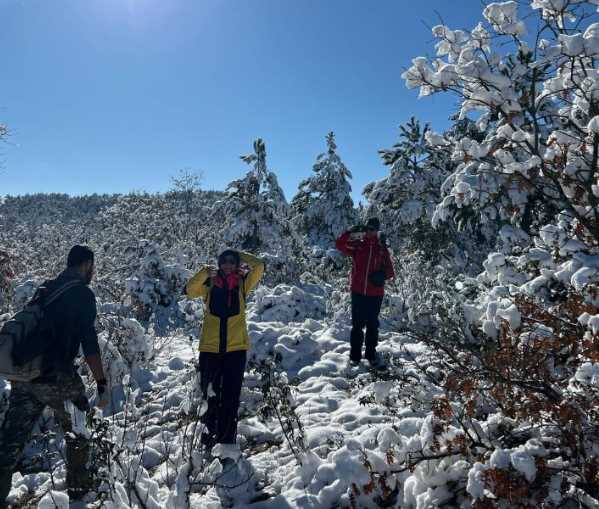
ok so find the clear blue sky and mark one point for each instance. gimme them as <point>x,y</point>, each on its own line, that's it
<point>118,95</point>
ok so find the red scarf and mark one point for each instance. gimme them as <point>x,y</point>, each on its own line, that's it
<point>230,282</point>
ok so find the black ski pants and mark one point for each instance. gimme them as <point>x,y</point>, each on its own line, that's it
<point>365,314</point>
<point>221,377</point>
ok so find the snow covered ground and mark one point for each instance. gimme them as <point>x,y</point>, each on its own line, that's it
<point>340,458</point>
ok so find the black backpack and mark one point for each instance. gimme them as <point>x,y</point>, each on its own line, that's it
<point>25,337</point>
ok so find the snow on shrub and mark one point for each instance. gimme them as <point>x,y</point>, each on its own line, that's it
<point>280,268</point>
<point>192,311</point>
<point>24,292</point>
<point>125,347</point>
<point>54,500</point>
<point>523,343</point>
<point>6,278</point>
<point>155,283</point>
<point>285,303</point>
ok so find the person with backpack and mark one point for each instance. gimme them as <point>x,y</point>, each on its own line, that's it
<point>224,340</point>
<point>69,314</point>
<point>371,267</point>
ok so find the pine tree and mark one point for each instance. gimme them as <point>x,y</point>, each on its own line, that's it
<point>255,214</point>
<point>409,194</point>
<point>154,283</point>
<point>323,208</point>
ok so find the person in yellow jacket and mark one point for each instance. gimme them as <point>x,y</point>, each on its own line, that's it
<point>224,340</point>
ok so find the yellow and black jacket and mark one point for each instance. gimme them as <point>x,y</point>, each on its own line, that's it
<point>224,328</point>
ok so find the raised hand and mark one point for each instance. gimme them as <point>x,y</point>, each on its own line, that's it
<point>244,269</point>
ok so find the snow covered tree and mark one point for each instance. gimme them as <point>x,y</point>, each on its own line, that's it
<point>537,106</point>
<point>186,197</point>
<point>518,397</point>
<point>180,222</point>
<point>6,280</point>
<point>323,208</point>
<point>405,202</point>
<point>155,284</point>
<point>407,197</point>
<point>255,209</point>
<point>254,216</point>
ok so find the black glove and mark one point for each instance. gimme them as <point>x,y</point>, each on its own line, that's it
<point>81,403</point>
<point>383,239</point>
<point>357,228</point>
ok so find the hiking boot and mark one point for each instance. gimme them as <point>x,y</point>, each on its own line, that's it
<point>352,365</point>
<point>376,362</point>
<point>232,476</point>
<point>227,463</point>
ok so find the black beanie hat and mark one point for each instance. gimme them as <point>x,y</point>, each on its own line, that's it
<point>229,252</point>
<point>374,223</point>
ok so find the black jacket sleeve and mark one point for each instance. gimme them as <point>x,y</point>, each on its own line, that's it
<point>87,323</point>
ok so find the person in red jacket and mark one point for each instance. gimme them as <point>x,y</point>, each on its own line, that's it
<point>371,267</point>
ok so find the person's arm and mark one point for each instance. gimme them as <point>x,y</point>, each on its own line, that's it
<point>89,337</point>
<point>345,243</point>
<point>94,361</point>
<point>196,286</point>
<point>90,346</point>
<point>256,270</point>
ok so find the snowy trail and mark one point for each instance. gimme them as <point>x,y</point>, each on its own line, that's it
<point>326,391</point>
<point>327,396</point>
<point>339,431</point>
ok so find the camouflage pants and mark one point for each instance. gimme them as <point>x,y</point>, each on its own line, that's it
<point>26,404</point>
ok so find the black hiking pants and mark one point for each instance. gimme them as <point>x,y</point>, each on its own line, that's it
<point>26,404</point>
<point>365,314</point>
<point>221,377</point>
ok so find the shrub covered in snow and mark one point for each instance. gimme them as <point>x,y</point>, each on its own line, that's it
<point>285,303</point>
<point>513,365</point>
<point>6,279</point>
<point>125,347</point>
<point>192,311</point>
<point>154,283</point>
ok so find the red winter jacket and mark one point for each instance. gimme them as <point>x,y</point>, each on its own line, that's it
<point>368,256</point>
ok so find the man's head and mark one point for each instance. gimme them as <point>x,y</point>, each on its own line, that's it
<point>81,259</point>
<point>229,261</point>
<point>373,225</point>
